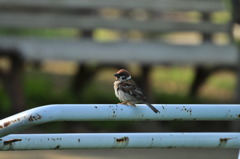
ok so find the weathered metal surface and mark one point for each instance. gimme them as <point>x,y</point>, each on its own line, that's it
<point>119,140</point>
<point>111,112</point>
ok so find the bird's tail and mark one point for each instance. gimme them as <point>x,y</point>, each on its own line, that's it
<point>153,108</point>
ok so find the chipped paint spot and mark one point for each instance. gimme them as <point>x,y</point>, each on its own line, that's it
<point>79,140</point>
<point>123,139</point>
<point>34,117</point>
<point>57,147</point>
<point>11,141</point>
<point>223,141</point>
<point>152,143</point>
<point>187,110</point>
<point>55,139</point>
<point>6,124</point>
<point>1,126</point>
<point>96,107</point>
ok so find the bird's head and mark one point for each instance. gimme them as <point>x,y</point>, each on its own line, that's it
<point>122,75</point>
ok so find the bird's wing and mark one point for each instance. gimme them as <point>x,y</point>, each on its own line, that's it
<point>131,88</point>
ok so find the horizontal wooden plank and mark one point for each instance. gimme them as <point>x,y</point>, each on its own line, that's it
<point>197,5</point>
<point>120,52</point>
<point>47,20</point>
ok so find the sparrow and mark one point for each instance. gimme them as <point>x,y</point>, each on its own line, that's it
<point>128,92</point>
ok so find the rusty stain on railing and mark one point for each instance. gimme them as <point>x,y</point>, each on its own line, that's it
<point>123,139</point>
<point>34,117</point>
<point>11,141</point>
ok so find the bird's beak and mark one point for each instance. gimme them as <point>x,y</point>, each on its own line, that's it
<point>116,75</point>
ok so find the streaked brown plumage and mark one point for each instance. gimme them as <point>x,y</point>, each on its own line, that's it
<point>127,91</point>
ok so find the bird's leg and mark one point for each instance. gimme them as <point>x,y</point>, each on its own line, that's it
<point>125,103</point>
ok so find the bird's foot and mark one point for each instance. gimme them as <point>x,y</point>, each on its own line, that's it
<point>127,103</point>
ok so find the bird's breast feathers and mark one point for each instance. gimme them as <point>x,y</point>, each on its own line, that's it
<point>126,91</point>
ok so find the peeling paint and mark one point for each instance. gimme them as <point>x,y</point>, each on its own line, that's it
<point>57,147</point>
<point>152,143</point>
<point>6,124</point>
<point>34,117</point>
<point>54,139</point>
<point>11,141</point>
<point>223,141</point>
<point>123,139</point>
<point>187,110</point>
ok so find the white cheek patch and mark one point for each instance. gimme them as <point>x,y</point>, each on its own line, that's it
<point>122,79</point>
<point>128,78</point>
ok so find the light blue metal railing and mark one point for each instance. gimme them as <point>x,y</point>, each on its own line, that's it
<point>116,112</point>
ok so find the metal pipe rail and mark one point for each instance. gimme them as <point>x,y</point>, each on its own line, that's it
<point>118,112</point>
<point>119,140</point>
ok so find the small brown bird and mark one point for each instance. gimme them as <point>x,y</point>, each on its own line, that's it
<point>128,92</point>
